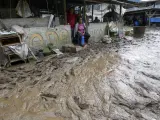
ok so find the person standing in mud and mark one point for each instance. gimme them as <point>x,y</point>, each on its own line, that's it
<point>71,19</point>
<point>135,21</point>
<point>96,20</point>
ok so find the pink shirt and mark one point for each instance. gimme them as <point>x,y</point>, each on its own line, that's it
<point>81,28</point>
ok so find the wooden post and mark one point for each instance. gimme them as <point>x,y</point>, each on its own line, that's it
<point>101,13</point>
<point>150,15</point>
<point>65,15</point>
<point>92,12</point>
<point>149,21</point>
<point>120,9</point>
<point>84,13</point>
<point>56,8</point>
<point>23,9</point>
<point>84,10</point>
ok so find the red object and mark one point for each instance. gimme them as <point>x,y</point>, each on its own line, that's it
<point>71,19</point>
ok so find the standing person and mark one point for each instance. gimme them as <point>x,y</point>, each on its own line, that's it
<point>135,21</point>
<point>96,20</point>
<point>71,19</point>
<point>80,30</point>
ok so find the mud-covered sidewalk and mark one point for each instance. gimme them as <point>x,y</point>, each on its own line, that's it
<point>116,81</point>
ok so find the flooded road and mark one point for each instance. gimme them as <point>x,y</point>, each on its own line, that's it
<point>117,83</point>
<point>136,81</point>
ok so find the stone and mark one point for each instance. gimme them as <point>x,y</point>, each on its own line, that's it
<point>106,39</point>
<point>129,38</point>
<point>72,60</point>
<point>69,48</point>
<point>21,68</point>
<point>79,48</point>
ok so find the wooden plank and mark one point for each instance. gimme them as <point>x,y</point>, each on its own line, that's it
<point>65,11</point>
<point>7,37</point>
<point>92,12</point>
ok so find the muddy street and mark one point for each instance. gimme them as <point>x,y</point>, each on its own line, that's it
<point>119,81</point>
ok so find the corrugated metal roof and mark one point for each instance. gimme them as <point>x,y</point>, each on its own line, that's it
<point>143,0</point>
<point>156,6</point>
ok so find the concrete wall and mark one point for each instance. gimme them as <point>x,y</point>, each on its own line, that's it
<point>26,22</point>
<point>97,31</point>
<point>38,37</point>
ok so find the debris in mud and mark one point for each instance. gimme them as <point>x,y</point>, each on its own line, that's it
<point>69,48</point>
<point>49,95</point>
<point>72,60</point>
<point>106,39</point>
<point>82,106</point>
<point>129,38</point>
<point>57,51</point>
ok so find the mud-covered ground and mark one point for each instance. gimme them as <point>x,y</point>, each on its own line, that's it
<point>119,81</point>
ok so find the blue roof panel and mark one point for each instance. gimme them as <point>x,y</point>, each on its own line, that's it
<point>135,0</point>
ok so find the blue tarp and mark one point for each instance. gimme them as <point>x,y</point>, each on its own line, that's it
<point>155,20</point>
<point>135,0</point>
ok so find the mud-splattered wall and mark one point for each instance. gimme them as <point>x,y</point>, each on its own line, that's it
<point>97,31</point>
<point>38,37</point>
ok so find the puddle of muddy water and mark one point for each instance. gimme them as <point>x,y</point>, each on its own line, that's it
<point>25,106</point>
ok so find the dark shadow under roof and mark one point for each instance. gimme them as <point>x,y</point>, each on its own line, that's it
<point>123,2</point>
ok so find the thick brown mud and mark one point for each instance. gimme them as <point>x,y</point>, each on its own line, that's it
<point>119,81</point>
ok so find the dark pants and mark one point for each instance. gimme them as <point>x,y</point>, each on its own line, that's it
<point>79,37</point>
<point>72,33</point>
